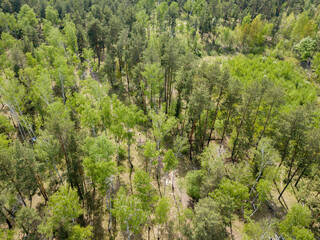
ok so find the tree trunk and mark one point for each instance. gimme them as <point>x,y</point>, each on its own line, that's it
<point>165,184</point>
<point>165,90</point>
<point>190,139</point>
<point>305,168</point>
<point>215,116</point>
<point>225,126</point>
<point>14,184</point>
<point>127,75</point>
<point>264,127</point>
<point>238,132</point>
<point>254,121</point>
<point>158,168</point>
<point>289,181</point>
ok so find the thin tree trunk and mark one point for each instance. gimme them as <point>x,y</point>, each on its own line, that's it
<point>215,116</point>
<point>190,139</point>
<point>264,127</point>
<point>231,230</point>
<point>225,126</point>
<point>165,90</point>
<point>127,75</point>
<point>305,168</point>
<point>165,184</point>
<point>158,167</point>
<point>15,185</point>
<point>238,132</point>
<point>62,88</point>
<point>289,181</point>
<point>254,121</point>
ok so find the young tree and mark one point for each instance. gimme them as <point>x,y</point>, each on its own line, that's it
<point>208,222</point>
<point>230,196</point>
<point>98,163</point>
<point>161,212</point>
<point>153,83</point>
<point>161,126</point>
<point>129,212</point>
<point>305,49</point>
<point>146,193</point>
<point>95,37</point>
<point>61,213</point>
<point>29,220</point>
<point>296,223</point>
<point>170,163</point>
<point>150,152</point>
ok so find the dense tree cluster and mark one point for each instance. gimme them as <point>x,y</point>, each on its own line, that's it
<point>188,119</point>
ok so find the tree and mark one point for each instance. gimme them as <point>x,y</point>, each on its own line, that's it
<point>193,181</point>
<point>71,37</point>
<point>316,64</point>
<point>83,233</point>
<point>144,189</point>
<point>303,28</point>
<point>214,169</point>
<point>252,35</point>
<point>153,83</point>
<point>230,196</point>
<point>150,152</point>
<point>161,126</point>
<point>52,15</point>
<point>305,48</point>
<point>173,12</point>
<point>260,230</point>
<point>170,163</point>
<point>29,219</point>
<point>98,163</point>
<point>59,124</point>
<point>208,222</point>
<point>129,212</point>
<point>161,212</point>
<point>265,157</point>
<point>62,211</point>
<point>296,223</point>
<point>28,23</point>
<point>95,37</point>
<point>146,193</point>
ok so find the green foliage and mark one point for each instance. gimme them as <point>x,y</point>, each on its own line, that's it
<point>62,123</point>
<point>5,125</point>
<point>98,163</point>
<point>316,64</point>
<point>253,34</point>
<point>6,234</point>
<point>193,182</point>
<point>296,223</point>
<point>162,210</point>
<point>230,196</point>
<point>207,222</point>
<point>264,188</point>
<point>170,161</point>
<point>161,125</point>
<point>52,15</point>
<point>304,27</point>
<point>285,74</point>
<point>259,230</point>
<point>212,163</point>
<point>82,233</point>
<point>129,212</point>
<point>62,210</point>
<point>30,220</point>
<point>150,149</point>
<point>144,190</point>
<point>305,48</point>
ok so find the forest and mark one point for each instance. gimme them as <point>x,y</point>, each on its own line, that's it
<point>167,119</point>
